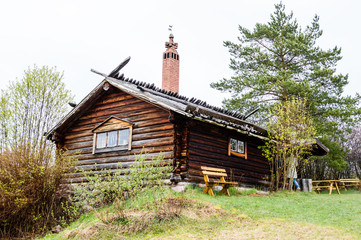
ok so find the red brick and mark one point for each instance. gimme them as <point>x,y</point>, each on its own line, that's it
<point>170,76</point>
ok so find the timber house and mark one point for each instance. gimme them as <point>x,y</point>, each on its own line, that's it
<point>122,117</point>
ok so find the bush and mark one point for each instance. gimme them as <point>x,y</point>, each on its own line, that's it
<point>29,190</point>
<point>105,186</point>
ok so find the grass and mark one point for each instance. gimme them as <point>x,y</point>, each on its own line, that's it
<point>246,215</point>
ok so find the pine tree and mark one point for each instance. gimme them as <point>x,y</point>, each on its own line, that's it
<point>278,61</point>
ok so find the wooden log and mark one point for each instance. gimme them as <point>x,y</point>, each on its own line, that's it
<point>151,122</point>
<point>79,145</point>
<point>88,137</point>
<point>200,161</point>
<point>151,135</point>
<point>214,138</point>
<point>133,151</point>
<point>119,104</point>
<point>148,122</point>
<point>159,127</point>
<point>116,165</point>
<point>153,142</point>
<point>121,115</point>
<point>116,110</point>
<point>124,158</point>
<point>114,97</point>
<point>211,149</point>
<point>207,142</point>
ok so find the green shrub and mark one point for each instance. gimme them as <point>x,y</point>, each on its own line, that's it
<point>104,187</point>
<point>29,190</point>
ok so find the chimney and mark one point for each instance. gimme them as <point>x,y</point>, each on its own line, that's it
<point>170,78</point>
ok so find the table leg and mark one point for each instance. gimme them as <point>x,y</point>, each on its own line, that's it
<point>331,185</point>
<point>338,190</point>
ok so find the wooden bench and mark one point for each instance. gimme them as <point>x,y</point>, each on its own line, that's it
<point>210,183</point>
<point>330,185</point>
<point>350,182</point>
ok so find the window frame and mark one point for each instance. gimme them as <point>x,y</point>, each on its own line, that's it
<point>237,153</point>
<point>112,124</point>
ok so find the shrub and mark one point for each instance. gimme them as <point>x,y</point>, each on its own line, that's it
<point>29,189</point>
<point>105,186</point>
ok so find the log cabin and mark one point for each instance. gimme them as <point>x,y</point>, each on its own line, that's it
<point>122,117</point>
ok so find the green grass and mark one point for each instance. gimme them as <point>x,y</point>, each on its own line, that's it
<point>339,211</point>
<point>284,215</point>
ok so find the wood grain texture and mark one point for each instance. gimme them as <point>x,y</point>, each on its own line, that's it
<point>153,133</point>
<point>208,146</point>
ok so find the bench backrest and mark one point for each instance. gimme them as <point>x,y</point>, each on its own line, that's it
<point>214,172</point>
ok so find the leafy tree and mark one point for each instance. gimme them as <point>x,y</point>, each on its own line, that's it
<point>290,131</point>
<point>30,171</point>
<point>354,155</point>
<point>4,119</point>
<point>31,106</point>
<point>278,61</point>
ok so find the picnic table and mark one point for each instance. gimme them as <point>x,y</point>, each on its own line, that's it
<point>319,185</point>
<point>349,183</point>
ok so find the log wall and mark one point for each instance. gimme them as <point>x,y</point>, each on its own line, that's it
<point>208,146</point>
<point>152,132</point>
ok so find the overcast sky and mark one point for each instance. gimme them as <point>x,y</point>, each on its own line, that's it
<point>78,35</point>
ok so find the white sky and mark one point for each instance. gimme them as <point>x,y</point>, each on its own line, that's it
<point>77,35</point>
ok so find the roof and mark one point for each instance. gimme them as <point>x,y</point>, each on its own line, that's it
<point>188,107</point>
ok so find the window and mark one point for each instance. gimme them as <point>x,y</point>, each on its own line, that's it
<point>237,148</point>
<point>112,135</point>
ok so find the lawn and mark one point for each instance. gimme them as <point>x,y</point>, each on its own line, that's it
<point>285,215</point>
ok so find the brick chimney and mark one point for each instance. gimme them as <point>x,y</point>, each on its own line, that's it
<point>170,78</point>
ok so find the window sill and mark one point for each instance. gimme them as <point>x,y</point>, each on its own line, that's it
<point>243,155</point>
<point>112,149</point>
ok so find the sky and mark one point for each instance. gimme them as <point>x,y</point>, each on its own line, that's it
<point>78,35</point>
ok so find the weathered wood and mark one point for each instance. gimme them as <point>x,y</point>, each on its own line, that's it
<point>114,97</point>
<point>112,124</point>
<point>151,122</point>
<point>151,135</point>
<point>113,111</point>
<point>166,148</point>
<point>127,102</point>
<point>125,158</point>
<point>160,119</point>
<point>116,165</point>
<point>152,132</point>
<point>158,127</point>
<point>140,113</point>
<point>153,142</point>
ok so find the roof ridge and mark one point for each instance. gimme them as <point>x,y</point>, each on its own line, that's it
<point>196,101</point>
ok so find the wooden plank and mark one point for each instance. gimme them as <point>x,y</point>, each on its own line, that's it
<point>114,97</point>
<point>214,173</point>
<point>150,122</point>
<point>150,135</point>
<point>117,110</point>
<point>140,113</point>
<point>115,104</point>
<point>132,152</point>
<point>154,128</point>
<point>153,142</point>
<point>213,169</point>
<point>79,145</point>
<point>125,158</point>
<point>116,165</point>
